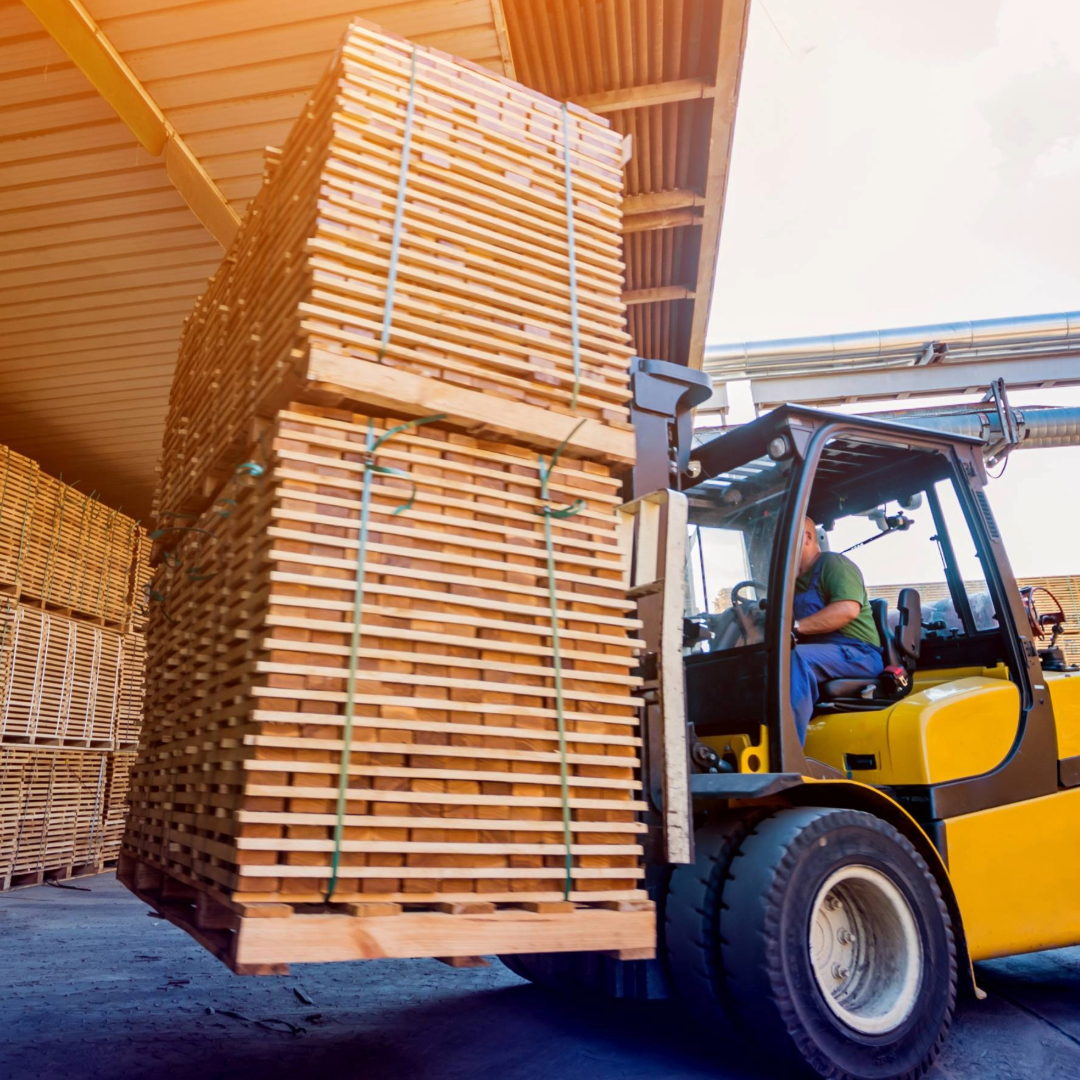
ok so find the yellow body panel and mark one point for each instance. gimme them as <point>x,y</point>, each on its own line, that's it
<point>1065,696</point>
<point>923,680</point>
<point>830,738</point>
<point>1015,869</point>
<point>1016,873</point>
<point>943,731</point>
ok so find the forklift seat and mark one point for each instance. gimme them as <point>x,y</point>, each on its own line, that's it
<point>900,651</point>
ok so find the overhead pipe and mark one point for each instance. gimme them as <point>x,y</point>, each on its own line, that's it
<point>1037,428</point>
<point>1021,335</point>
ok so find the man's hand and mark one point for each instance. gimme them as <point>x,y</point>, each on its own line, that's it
<point>834,616</point>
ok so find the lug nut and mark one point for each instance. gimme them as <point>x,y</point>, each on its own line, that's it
<point>840,973</point>
<point>831,903</point>
<point>845,936</point>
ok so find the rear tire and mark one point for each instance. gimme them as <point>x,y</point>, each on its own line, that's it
<point>836,947</point>
<point>519,964</point>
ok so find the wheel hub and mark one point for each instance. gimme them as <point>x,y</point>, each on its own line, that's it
<point>865,950</point>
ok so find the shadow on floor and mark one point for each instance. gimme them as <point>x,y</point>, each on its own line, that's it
<point>92,987</point>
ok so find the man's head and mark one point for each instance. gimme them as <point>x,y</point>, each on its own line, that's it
<point>811,549</point>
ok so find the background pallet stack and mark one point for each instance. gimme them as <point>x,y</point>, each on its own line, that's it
<point>72,654</point>
<point>391,650</point>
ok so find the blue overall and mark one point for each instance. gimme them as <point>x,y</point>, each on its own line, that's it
<point>826,656</point>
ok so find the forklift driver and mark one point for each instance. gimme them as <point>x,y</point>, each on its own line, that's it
<point>834,626</point>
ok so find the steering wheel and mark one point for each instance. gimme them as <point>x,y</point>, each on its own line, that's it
<point>736,597</point>
<point>740,624</point>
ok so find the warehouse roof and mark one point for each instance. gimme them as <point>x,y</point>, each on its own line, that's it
<point>117,194</point>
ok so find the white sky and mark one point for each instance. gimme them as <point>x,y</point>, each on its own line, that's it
<point>913,161</point>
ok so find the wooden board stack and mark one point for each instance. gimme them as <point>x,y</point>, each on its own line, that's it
<point>411,248</point>
<point>73,607</point>
<point>367,716</point>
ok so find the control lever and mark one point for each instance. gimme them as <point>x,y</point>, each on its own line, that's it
<point>695,631</point>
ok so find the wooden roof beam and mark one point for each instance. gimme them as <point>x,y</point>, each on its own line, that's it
<point>729,53</point>
<point>658,294</point>
<point>651,201</point>
<point>74,30</point>
<point>641,97</point>
<point>662,219</point>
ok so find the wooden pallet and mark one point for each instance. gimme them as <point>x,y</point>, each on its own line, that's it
<point>59,812</point>
<point>487,309</point>
<point>62,550</point>
<point>65,682</point>
<point>454,772</point>
<point>264,939</point>
<point>70,872</point>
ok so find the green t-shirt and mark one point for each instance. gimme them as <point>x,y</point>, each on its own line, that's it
<point>841,579</point>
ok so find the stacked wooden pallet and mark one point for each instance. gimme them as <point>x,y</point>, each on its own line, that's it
<point>63,550</point>
<point>56,817</point>
<point>74,597</point>
<point>416,244</point>
<point>392,660</point>
<point>64,682</point>
<point>73,604</point>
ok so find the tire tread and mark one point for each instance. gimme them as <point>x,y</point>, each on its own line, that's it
<point>756,966</point>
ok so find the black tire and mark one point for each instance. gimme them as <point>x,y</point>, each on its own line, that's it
<point>592,975</point>
<point>772,884</point>
<point>556,972</point>
<point>691,919</point>
<point>518,963</point>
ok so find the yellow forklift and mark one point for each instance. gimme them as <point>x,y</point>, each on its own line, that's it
<point>831,898</point>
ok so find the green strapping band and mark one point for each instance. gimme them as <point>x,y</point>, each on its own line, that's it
<point>245,469</point>
<point>370,469</point>
<point>546,469</point>
<point>572,251</point>
<point>399,211</point>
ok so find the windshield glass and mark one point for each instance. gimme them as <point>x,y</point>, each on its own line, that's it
<point>730,548</point>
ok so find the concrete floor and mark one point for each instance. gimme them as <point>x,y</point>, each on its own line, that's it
<point>90,986</point>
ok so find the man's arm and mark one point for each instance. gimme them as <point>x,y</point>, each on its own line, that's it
<point>832,617</point>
